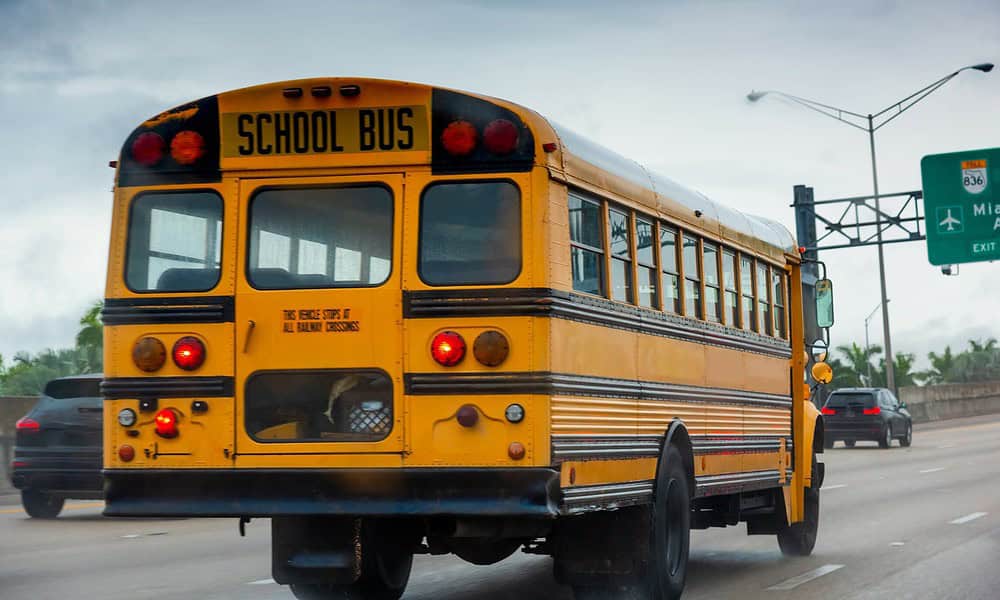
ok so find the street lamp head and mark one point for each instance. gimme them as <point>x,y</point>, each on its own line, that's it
<point>754,95</point>
<point>984,67</point>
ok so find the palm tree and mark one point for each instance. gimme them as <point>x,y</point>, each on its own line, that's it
<point>90,338</point>
<point>942,367</point>
<point>859,361</point>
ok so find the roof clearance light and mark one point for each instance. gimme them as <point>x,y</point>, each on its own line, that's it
<point>459,138</point>
<point>187,147</point>
<point>500,137</point>
<point>448,348</point>
<point>166,423</point>
<point>148,149</point>
<point>26,424</point>
<point>189,353</point>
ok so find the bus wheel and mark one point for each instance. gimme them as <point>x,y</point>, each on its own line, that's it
<point>41,505</point>
<point>798,539</point>
<point>671,535</point>
<point>385,571</point>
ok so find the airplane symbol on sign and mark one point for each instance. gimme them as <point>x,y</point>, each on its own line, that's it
<point>949,221</point>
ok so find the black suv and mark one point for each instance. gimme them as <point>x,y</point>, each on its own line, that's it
<point>873,414</point>
<point>57,451</point>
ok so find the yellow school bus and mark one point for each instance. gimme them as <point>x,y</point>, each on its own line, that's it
<point>395,318</point>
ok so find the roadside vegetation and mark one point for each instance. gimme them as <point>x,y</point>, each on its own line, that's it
<point>856,366</point>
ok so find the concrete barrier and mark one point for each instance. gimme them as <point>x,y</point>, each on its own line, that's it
<point>12,408</point>
<point>951,400</point>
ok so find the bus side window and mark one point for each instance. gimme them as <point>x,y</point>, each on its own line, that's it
<point>749,306</point>
<point>668,265</point>
<point>778,290</point>
<point>646,259</point>
<point>729,285</point>
<point>763,301</point>
<point>586,245</point>
<point>710,266</point>
<point>621,256</point>
<point>692,278</point>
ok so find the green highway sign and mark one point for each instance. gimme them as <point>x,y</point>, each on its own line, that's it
<point>962,206</point>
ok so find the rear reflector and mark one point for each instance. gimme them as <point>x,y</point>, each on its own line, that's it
<point>126,453</point>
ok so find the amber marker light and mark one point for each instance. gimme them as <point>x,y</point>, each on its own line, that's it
<point>149,354</point>
<point>459,138</point>
<point>491,348</point>
<point>187,147</point>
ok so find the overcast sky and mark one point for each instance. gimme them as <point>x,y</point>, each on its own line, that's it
<point>661,82</point>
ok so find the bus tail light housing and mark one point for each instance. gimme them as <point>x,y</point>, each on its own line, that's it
<point>148,149</point>
<point>189,353</point>
<point>459,138</point>
<point>500,137</point>
<point>166,423</point>
<point>872,411</point>
<point>472,135</point>
<point>448,348</point>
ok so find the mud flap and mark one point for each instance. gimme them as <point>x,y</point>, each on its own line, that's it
<point>315,550</point>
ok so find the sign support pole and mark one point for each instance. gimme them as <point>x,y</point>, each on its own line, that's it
<point>890,364</point>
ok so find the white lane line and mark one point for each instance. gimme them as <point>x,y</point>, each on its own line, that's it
<point>794,582</point>
<point>946,446</point>
<point>967,518</point>
<point>267,581</point>
<point>934,470</point>
<point>834,487</point>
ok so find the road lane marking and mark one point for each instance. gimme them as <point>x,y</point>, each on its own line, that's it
<point>967,518</point>
<point>897,544</point>
<point>14,511</point>
<point>934,470</point>
<point>267,581</point>
<point>946,446</point>
<point>834,487</point>
<point>794,582</point>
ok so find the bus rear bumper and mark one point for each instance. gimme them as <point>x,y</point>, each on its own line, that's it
<point>525,492</point>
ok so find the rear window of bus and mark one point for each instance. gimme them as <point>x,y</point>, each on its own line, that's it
<point>470,233</point>
<point>174,242</point>
<point>320,237</point>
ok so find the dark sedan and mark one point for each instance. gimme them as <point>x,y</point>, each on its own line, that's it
<point>57,452</point>
<point>872,414</point>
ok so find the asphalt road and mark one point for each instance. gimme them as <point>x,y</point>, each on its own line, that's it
<point>918,522</point>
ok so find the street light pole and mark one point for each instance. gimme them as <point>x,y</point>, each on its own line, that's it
<point>867,123</point>
<point>868,345</point>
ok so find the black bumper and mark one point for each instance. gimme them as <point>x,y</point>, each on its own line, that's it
<point>69,483</point>
<point>356,492</point>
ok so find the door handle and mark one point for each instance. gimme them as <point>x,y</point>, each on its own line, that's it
<point>246,340</point>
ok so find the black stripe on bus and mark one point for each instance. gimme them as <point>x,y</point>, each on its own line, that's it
<point>167,387</point>
<point>546,302</point>
<point>564,384</point>
<point>156,311</point>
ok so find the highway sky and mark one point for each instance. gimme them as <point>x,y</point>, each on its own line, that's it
<point>663,83</point>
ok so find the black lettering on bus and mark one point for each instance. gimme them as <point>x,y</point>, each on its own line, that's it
<point>300,132</point>
<point>405,128</point>
<point>320,134</point>
<point>261,148</point>
<point>242,122</point>
<point>334,146</point>
<point>386,129</point>
<point>366,129</point>
<point>282,133</point>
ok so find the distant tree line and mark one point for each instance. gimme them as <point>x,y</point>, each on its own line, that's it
<point>26,374</point>
<point>856,366</point>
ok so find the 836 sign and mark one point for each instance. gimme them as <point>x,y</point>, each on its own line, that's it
<point>974,176</point>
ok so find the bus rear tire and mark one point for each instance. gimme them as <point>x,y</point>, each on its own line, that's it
<point>385,571</point>
<point>799,539</point>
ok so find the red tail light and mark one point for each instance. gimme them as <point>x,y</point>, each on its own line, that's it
<point>500,137</point>
<point>26,424</point>
<point>189,353</point>
<point>448,348</point>
<point>459,138</point>
<point>166,423</point>
<point>873,411</point>
<point>828,411</point>
<point>148,149</point>
<point>187,147</point>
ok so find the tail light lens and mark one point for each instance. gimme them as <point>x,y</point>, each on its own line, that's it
<point>149,354</point>
<point>459,138</point>
<point>148,149</point>
<point>27,425</point>
<point>187,147</point>
<point>491,348</point>
<point>828,411</point>
<point>500,137</point>
<point>448,348</point>
<point>872,411</point>
<point>166,423</point>
<point>189,353</point>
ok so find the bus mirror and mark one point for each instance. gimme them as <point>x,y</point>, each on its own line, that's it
<point>822,372</point>
<point>824,303</point>
<point>819,350</point>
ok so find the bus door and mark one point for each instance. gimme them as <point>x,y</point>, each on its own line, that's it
<point>318,321</point>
